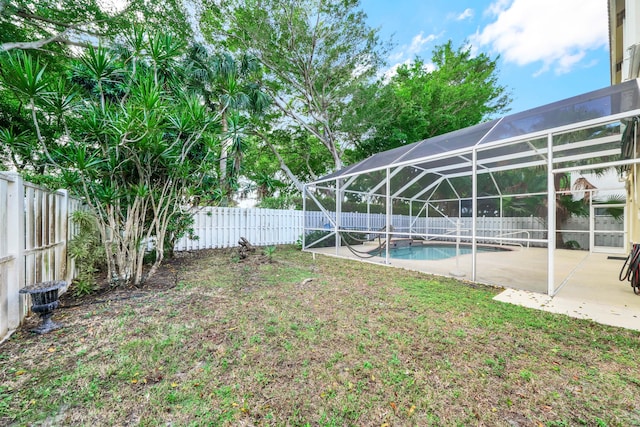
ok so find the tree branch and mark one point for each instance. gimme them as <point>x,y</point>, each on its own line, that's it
<point>38,44</point>
<point>283,165</point>
<point>31,16</point>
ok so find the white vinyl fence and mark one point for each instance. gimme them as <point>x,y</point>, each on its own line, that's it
<point>223,227</point>
<point>34,230</point>
<point>526,231</point>
<point>519,228</point>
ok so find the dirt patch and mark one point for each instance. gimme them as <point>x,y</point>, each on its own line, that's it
<point>165,278</point>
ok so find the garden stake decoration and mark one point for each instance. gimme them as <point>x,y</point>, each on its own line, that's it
<point>44,299</point>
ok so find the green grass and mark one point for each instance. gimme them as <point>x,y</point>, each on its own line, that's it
<point>255,343</point>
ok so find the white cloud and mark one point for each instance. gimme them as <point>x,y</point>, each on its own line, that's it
<point>396,56</point>
<point>417,46</point>
<point>407,53</point>
<point>497,7</point>
<point>468,13</point>
<point>557,34</point>
<point>418,42</point>
<point>393,70</point>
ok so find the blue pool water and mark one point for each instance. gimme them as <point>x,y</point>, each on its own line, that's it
<point>435,251</point>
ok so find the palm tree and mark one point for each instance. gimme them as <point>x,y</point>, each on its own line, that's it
<point>230,86</point>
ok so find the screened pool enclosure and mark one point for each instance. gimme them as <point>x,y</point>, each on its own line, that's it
<point>515,201</point>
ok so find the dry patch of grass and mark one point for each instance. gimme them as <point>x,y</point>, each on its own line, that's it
<point>325,342</point>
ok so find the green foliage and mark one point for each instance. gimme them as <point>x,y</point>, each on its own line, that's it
<point>616,212</point>
<point>568,206</point>
<point>315,54</point>
<point>422,100</point>
<point>524,206</point>
<point>24,75</point>
<point>304,155</point>
<point>268,251</point>
<point>281,202</point>
<point>35,24</point>
<point>231,88</point>
<point>25,84</point>
<point>45,29</point>
<point>314,236</point>
<point>124,131</point>
<point>571,244</point>
<point>180,225</point>
<point>87,250</point>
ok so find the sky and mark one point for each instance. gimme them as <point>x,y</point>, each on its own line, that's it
<point>548,49</point>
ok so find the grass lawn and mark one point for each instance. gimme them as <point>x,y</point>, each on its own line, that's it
<point>324,342</point>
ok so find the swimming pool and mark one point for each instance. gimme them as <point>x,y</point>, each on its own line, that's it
<point>433,252</point>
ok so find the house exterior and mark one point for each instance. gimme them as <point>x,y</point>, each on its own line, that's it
<point>624,51</point>
<point>624,40</point>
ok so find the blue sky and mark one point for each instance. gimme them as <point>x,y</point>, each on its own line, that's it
<point>549,49</point>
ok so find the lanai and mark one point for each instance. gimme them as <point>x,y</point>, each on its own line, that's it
<point>489,185</point>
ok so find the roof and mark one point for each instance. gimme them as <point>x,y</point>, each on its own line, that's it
<point>520,136</point>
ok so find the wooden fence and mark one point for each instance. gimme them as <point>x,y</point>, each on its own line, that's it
<point>34,230</point>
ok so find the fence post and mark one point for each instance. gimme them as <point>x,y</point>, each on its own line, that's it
<point>65,234</point>
<point>15,247</point>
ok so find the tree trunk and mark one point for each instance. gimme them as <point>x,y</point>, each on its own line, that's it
<point>224,153</point>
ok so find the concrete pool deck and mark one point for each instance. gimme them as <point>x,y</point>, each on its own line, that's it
<point>587,285</point>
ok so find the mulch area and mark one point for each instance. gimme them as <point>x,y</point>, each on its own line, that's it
<point>165,278</point>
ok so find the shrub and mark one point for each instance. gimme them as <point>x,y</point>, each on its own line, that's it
<point>88,252</point>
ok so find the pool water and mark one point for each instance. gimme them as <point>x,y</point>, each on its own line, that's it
<point>435,251</point>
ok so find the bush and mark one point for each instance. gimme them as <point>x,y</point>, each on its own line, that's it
<point>180,225</point>
<point>88,252</point>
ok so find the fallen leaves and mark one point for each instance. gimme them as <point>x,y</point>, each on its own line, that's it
<point>139,379</point>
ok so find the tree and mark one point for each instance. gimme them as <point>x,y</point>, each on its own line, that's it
<point>48,24</point>
<point>418,102</point>
<point>48,29</point>
<point>299,158</point>
<point>130,139</point>
<point>23,83</point>
<point>231,88</point>
<point>315,53</point>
